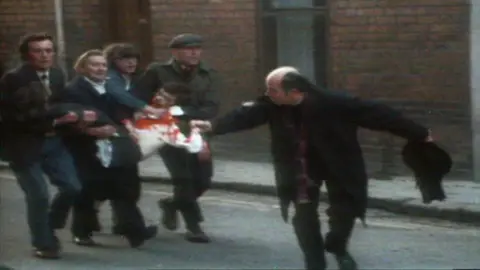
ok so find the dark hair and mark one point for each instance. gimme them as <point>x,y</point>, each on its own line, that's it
<point>117,51</point>
<point>25,41</point>
<point>293,80</point>
<point>182,92</point>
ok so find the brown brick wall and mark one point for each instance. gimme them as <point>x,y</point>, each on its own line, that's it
<point>82,22</point>
<point>413,54</point>
<point>18,17</point>
<point>228,27</point>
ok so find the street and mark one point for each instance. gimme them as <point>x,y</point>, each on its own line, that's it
<point>247,233</point>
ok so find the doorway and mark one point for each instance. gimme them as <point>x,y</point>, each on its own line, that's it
<point>130,21</point>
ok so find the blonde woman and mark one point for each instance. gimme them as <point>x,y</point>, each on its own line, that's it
<point>121,185</point>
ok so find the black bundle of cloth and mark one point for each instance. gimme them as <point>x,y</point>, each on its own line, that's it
<point>429,163</point>
<point>118,150</point>
<point>33,106</point>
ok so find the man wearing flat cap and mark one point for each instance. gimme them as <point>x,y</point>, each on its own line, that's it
<point>191,173</point>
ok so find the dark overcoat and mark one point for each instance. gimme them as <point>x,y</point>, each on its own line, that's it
<point>331,120</point>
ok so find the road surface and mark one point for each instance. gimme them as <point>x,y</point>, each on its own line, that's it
<point>247,233</point>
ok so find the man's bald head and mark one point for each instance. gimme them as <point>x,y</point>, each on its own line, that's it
<point>278,73</point>
<point>279,92</point>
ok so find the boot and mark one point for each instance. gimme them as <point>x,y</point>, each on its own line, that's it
<point>170,217</point>
<point>195,234</point>
<point>346,262</point>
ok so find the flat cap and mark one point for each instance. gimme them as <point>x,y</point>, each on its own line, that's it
<point>185,41</point>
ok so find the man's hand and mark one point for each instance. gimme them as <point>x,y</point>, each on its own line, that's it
<point>205,154</point>
<point>204,126</point>
<point>89,116</point>
<point>68,118</point>
<point>131,130</point>
<point>101,132</point>
<point>154,111</point>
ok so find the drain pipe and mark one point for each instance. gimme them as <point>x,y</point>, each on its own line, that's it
<point>60,33</point>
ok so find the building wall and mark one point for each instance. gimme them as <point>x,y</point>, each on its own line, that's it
<point>82,22</point>
<point>229,30</point>
<point>413,54</point>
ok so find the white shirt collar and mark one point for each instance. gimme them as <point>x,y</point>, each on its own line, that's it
<point>45,72</point>
<point>99,87</point>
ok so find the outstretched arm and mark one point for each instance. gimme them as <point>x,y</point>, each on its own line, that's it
<point>380,117</point>
<point>248,116</point>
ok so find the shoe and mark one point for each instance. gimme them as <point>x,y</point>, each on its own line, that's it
<point>138,240</point>
<point>47,254</point>
<point>197,235</point>
<point>346,262</point>
<point>84,241</point>
<point>170,217</point>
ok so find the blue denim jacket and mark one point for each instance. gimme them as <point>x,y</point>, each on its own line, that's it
<point>117,86</point>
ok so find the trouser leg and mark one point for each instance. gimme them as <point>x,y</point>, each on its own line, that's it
<point>341,213</point>
<point>307,229</point>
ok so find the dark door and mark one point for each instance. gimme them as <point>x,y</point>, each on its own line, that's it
<point>130,21</point>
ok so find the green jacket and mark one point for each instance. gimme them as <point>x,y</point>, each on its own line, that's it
<point>205,83</point>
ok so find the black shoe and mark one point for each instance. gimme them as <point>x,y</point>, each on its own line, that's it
<point>170,217</point>
<point>346,262</point>
<point>47,254</point>
<point>84,241</point>
<point>197,235</point>
<point>138,240</point>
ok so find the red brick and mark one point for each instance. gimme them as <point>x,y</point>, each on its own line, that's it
<point>404,51</point>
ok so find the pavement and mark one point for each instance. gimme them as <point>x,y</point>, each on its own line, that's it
<point>398,195</point>
<point>247,233</point>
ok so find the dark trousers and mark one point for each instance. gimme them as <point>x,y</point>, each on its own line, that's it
<point>121,185</point>
<point>191,178</point>
<point>307,228</point>
<point>136,192</point>
<point>56,162</point>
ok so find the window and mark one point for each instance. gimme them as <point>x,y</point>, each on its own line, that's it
<point>294,33</point>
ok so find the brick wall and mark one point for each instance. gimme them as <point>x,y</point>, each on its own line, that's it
<point>82,22</point>
<point>18,17</point>
<point>413,54</point>
<point>230,39</point>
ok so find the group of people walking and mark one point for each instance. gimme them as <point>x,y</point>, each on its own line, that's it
<point>35,142</point>
<point>313,140</point>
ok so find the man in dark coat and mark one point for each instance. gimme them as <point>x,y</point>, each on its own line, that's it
<point>314,139</point>
<point>33,148</point>
<point>191,175</point>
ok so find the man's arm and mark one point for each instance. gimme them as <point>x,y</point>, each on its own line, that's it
<point>209,106</point>
<point>115,87</point>
<point>248,116</point>
<point>380,117</point>
<point>147,84</point>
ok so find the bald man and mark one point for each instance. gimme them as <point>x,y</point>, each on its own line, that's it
<point>314,140</point>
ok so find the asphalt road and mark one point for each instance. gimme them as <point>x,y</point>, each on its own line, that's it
<point>247,233</point>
